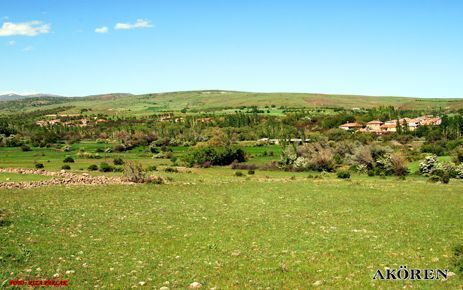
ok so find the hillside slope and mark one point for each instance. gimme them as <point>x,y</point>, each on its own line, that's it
<point>115,104</point>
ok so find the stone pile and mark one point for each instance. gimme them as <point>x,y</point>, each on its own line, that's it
<point>58,178</point>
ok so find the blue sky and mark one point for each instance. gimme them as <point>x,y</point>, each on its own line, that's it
<point>402,48</point>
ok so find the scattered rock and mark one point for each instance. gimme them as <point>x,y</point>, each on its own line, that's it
<point>317,283</point>
<point>164,288</point>
<point>58,178</point>
<point>195,285</point>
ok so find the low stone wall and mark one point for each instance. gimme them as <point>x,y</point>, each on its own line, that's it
<point>58,178</point>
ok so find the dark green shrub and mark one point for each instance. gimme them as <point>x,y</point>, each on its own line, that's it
<point>457,259</point>
<point>5,218</point>
<point>66,167</point>
<point>445,178</point>
<point>459,156</point>
<point>99,150</point>
<point>343,174</point>
<point>120,148</point>
<point>434,178</point>
<point>105,167</point>
<point>251,172</point>
<point>25,148</point>
<point>154,149</point>
<point>171,169</point>
<point>152,168</point>
<point>68,159</point>
<point>118,161</point>
<point>434,148</point>
<point>215,155</point>
<point>39,165</point>
<point>238,173</point>
<point>92,167</point>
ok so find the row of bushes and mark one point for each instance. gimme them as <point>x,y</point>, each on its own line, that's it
<point>440,171</point>
<point>207,156</point>
<point>329,156</point>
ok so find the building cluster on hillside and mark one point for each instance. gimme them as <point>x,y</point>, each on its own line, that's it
<point>76,120</point>
<point>390,126</point>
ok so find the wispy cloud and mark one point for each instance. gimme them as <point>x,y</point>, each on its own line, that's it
<point>140,23</point>
<point>11,42</point>
<point>103,29</point>
<point>28,48</point>
<point>31,28</point>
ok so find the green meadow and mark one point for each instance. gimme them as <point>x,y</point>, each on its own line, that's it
<point>268,230</point>
<point>274,230</point>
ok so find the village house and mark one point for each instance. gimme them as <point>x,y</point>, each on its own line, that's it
<point>374,125</point>
<point>351,126</point>
<point>390,126</point>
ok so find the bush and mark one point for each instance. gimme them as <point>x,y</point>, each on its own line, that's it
<point>428,165</point>
<point>239,173</point>
<point>66,167</point>
<point>343,174</point>
<point>459,171</point>
<point>215,155</point>
<point>39,165</point>
<point>118,169</point>
<point>445,178</point>
<point>151,168</point>
<point>99,150</point>
<point>133,172</point>
<point>156,180</point>
<point>434,148</point>
<point>68,159</point>
<point>457,259</point>
<point>105,167</point>
<point>118,161</point>
<point>251,172</point>
<point>171,169</point>
<point>436,178</point>
<point>458,156</point>
<point>25,148</point>
<point>153,149</point>
<point>398,165</point>
<point>92,167</point>
<point>120,148</point>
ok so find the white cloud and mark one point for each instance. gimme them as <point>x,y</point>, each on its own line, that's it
<point>102,29</point>
<point>141,23</point>
<point>28,48</point>
<point>11,42</point>
<point>31,28</point>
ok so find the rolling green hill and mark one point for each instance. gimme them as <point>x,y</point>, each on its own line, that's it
<point>115,104</point>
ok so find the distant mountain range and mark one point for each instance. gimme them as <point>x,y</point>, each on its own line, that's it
<point>15,96</point>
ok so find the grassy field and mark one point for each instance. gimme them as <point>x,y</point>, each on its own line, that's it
<point>269,230</point>
<point>52,158</point>
<point>136,105</point>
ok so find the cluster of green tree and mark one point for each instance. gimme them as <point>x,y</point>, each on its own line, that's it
<point>169,130</point>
